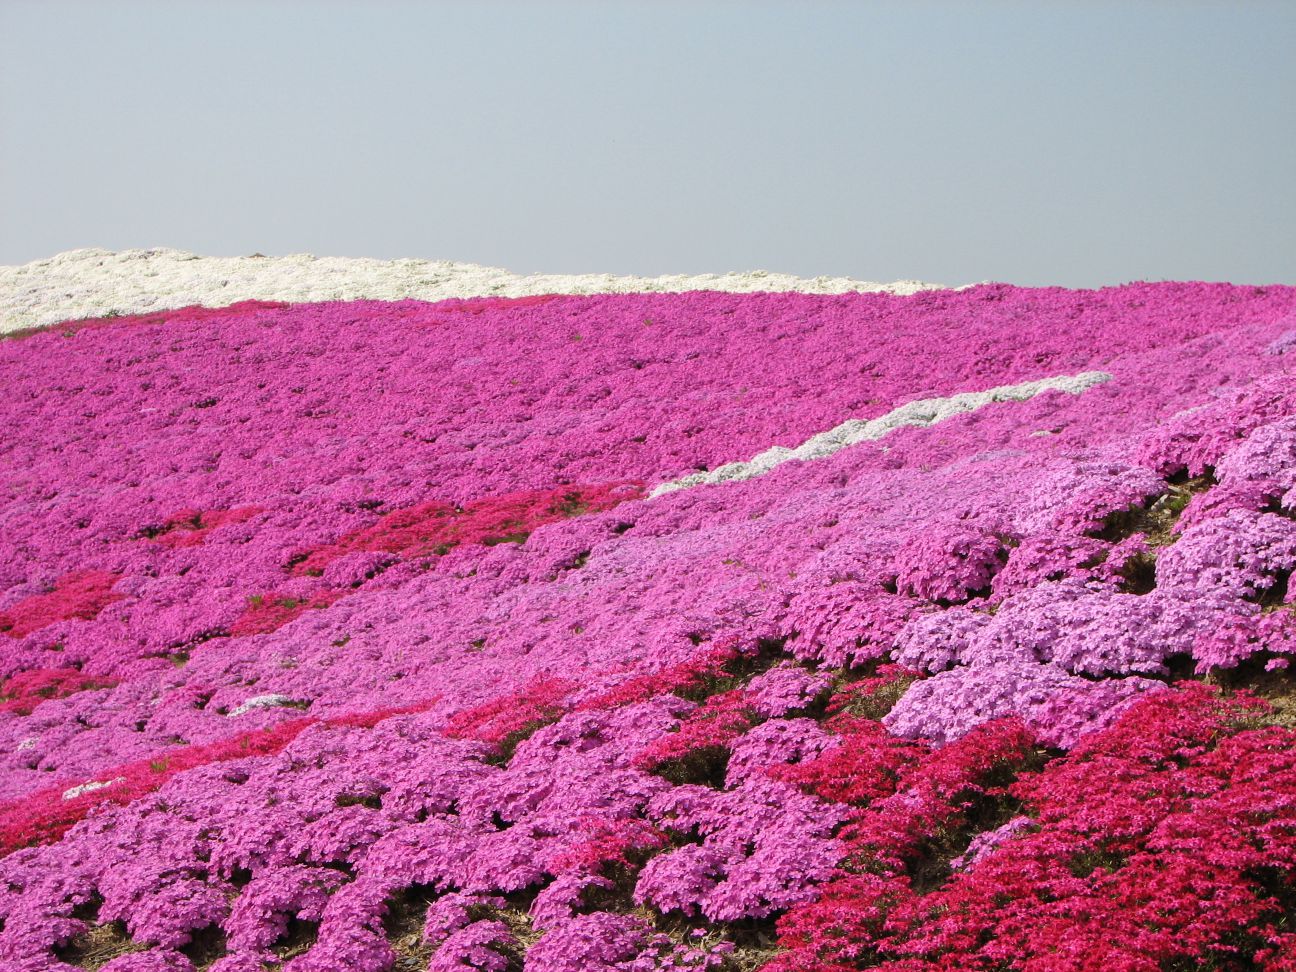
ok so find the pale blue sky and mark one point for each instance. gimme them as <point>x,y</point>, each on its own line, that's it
<point>1037,143</point>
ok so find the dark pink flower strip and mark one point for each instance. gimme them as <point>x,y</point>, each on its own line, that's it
<point>437,526</point>
<point>80,594</point>
<point>21,693</point>
<point>46,815</point>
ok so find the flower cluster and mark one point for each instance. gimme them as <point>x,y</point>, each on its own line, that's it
<point>353,635</point>
<point>1165,840</point>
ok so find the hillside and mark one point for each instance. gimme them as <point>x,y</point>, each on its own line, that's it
<point>508,624</point>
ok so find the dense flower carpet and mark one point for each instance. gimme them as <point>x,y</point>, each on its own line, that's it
<point>806,633</point>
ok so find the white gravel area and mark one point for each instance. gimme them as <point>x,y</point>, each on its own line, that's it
<point>75,791</point>
<point>263,702</point>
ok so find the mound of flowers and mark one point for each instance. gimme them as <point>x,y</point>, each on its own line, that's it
<point>653,631</point>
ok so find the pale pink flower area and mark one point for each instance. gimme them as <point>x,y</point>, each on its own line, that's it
<point>353,636</point>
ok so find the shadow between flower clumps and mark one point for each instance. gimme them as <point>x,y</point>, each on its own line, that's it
<point>755,941</point>
<point>1156,519</point>
<point>101,943</point>
<point>205,946</point>
<point>407,915</point>
<point>98,945</point>
<point>297,939</point>
<point>1276,688</point>
<point>403,925</point>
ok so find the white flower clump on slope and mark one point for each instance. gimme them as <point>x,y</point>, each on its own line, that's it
<point>96,283</point>
<point>918,414</point>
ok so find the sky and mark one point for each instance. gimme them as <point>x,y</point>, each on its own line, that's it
<point>1073,144</point>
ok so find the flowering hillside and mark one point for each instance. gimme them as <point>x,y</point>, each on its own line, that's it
<point>639,631</point>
